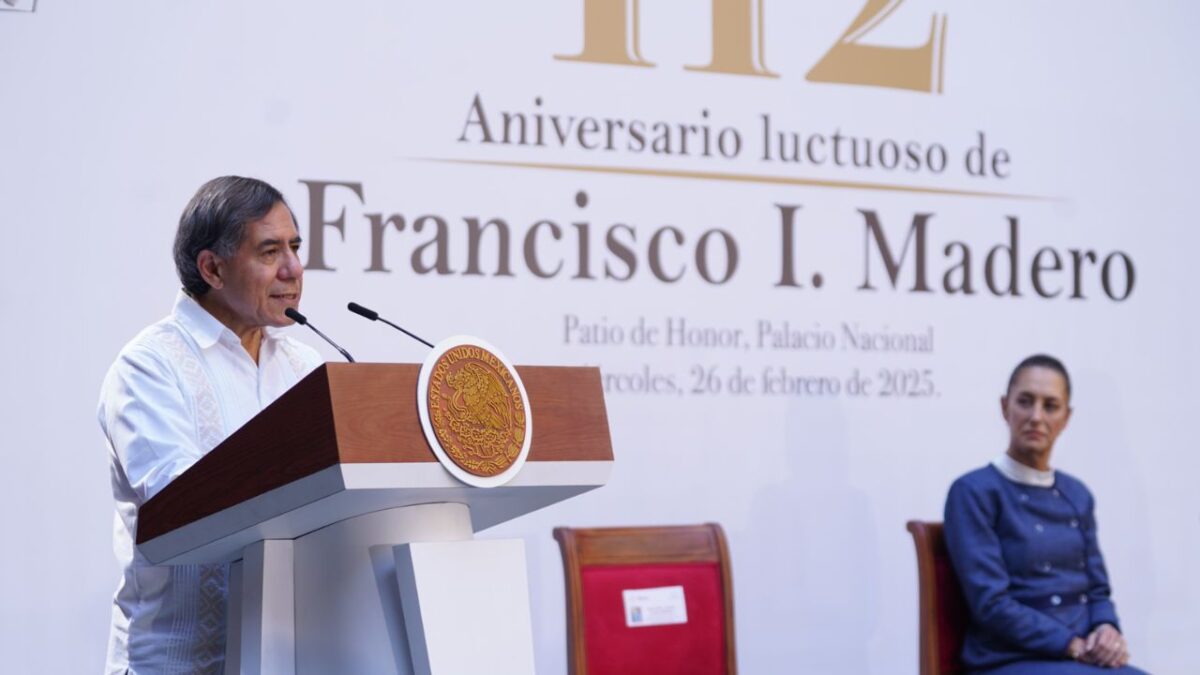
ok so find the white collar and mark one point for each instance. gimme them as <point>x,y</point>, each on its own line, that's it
<point>1025,475</point>
<point>205,328</point>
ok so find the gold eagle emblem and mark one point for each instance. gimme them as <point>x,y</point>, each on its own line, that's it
<point>476,410</point>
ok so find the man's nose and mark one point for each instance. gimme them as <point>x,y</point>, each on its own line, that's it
<point>291,268</point>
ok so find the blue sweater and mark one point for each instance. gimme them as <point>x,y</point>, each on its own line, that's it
<point>1029,565</point>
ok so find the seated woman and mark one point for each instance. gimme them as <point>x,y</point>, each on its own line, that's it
<point>1022,539</point>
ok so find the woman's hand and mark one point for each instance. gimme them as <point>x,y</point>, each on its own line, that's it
<point>1076,648</point>
<point>1105,647</point>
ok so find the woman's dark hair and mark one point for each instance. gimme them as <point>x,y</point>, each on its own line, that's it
<point>1040,361</point>
<point>215,219</point>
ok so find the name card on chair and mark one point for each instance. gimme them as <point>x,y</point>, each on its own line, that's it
<point>654,606</point>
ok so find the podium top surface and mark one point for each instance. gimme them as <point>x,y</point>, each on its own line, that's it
<point>345,416</point>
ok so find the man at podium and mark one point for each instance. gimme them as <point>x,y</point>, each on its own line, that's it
<point>181,387</point>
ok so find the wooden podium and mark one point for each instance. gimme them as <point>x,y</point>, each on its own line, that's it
<point>353,547</point>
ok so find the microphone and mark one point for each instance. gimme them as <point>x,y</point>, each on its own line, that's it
<point>374,316</point>
<point>300,319</point>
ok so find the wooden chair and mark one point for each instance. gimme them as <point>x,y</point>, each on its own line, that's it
<point>600,563</point>
<point>943,611</point>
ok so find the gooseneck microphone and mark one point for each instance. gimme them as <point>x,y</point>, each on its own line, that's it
<point>300,319</point>
<point>374,316</point>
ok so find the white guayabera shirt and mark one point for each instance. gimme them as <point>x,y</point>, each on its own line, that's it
<point>175,391</point>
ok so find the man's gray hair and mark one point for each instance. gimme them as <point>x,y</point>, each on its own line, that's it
<point>215,220</point>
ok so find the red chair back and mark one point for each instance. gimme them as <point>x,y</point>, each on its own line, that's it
<point>943,611</point>
<point>600,563</point>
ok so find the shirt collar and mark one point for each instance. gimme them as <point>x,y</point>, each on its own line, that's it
<point>1025,475</point>
<point>204,328</point>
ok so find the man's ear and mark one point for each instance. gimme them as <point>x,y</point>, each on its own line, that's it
<point>1004,407</point>
<point>211,267</point>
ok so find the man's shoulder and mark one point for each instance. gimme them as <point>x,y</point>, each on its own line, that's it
<point>149,356</point>
<point>299,353</point>
<point>162,339</point>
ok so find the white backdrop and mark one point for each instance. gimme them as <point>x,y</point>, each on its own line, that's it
<point>115,112</point>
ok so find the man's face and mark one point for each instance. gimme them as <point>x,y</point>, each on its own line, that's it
<point>263,278</point>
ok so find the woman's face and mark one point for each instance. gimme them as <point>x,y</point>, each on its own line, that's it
<point>1037,410</point>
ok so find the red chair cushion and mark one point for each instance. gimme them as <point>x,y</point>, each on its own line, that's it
<point>693,648</point>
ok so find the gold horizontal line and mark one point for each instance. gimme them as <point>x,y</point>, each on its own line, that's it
<point>741,178</point>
